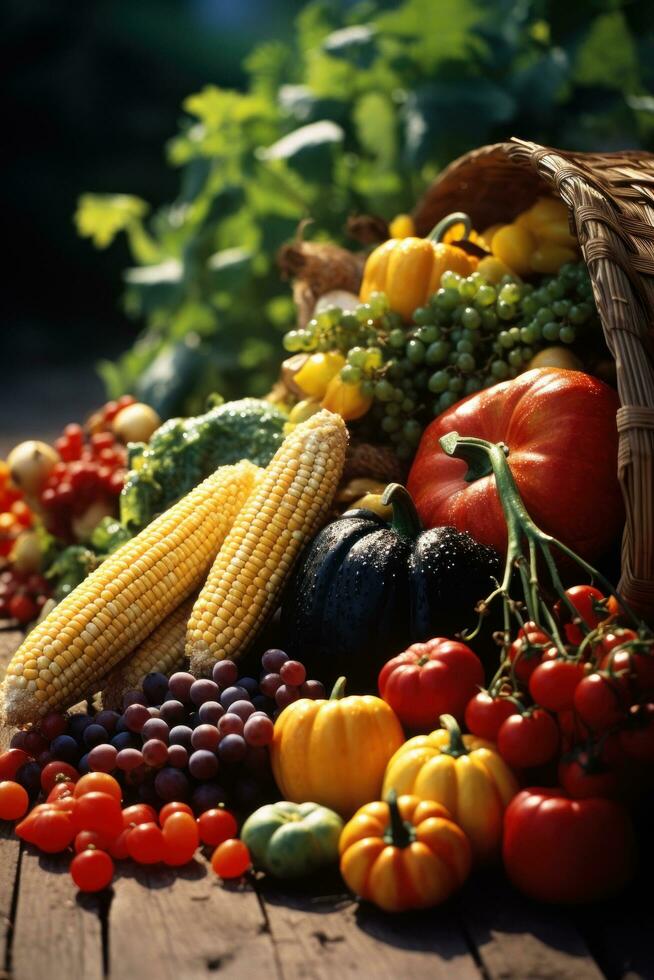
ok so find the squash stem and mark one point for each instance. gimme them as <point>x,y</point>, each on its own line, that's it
<point>456,748</point>
<point>444,225</point>
<point>338,689</point>
<point>405,520</point>
<point>400,833</point>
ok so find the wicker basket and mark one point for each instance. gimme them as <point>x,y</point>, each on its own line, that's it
<point>610,197</point>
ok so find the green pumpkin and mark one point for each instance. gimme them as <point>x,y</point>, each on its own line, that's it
<point>291,840</point>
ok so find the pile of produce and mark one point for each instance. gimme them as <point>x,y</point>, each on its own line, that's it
<point>431,682</point>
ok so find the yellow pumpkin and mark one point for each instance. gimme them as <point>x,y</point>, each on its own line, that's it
<point>404,853</point>
<point>462,772</point>
<point>408,270</point>
<point>334,752</point>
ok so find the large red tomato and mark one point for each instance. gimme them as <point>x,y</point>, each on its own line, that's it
<point>429,680</point>
<point>561,850</point>
<point>563,446</point>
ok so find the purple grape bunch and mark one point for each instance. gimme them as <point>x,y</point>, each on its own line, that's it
<point>184,738</point>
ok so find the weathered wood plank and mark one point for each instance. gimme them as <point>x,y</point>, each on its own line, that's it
<point>57,933</point>
<point>184,923</point>
<point>9,864</point>
<point>320,933</point>
<point>9,845</point>
<point>517,938</point>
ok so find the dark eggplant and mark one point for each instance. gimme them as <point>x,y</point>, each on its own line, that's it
<point>365,589</point>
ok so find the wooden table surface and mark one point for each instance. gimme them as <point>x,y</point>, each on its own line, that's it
<point>185,924</point>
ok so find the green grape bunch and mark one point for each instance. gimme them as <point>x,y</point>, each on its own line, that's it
<point>470,335</point>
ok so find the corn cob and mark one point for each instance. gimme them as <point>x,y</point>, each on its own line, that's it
<point>287,506</point>
<point>119,604</point>
<point>162,650</point>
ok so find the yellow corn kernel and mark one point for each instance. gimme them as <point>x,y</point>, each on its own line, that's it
<point>288,505</point>
<point>162,650</point>
<point>148,577</point>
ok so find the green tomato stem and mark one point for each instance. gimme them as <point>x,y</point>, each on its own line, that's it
<point>480,455</point>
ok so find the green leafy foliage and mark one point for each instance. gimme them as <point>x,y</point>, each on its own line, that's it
<point>357,114</point>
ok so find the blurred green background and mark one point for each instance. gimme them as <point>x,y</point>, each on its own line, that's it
<point>296,110</point>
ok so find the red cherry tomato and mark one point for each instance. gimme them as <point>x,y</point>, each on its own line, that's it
<point>99,782</point>
<point>58,772</point>
<point>138,813</point>
<point>527,740</point>
<point>14,800</point>
<point>98,811</point>
<point>216,826</point>
<point>23,608</point>
<point>637,739</point>
<point>11,761</point>
<point>231,859</point>
<point>181,839</point>
<point>118,846</point>
<point>53,830</point>
<point>175,807</point>
<point>145,843</point>
<point>62,790</point>
<point>431,679</point>
<point>526,651</point>
<point>601,699</point>
<point>91,838</point>
<point>583,776</point>
<point>485,714</point>
<point>637,661</point>
<point>560,850</point>
<point>585,599</point>
<point>92,870</point>
<point>553,683</point>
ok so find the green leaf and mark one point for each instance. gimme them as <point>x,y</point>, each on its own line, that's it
<point>443,119</point>
<point>193,317</point>
<point>608,55</point>
<point>307,139</point>
<point>101,217</point>
<point>433,33</point>
<point>355,45</point>
<point>229,268</point>
<point>375,122</point>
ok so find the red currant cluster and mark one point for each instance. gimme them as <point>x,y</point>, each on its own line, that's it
<point>90,472</point>
<point>22,596</point>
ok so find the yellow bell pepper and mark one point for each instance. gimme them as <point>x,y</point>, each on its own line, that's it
<point>403,854</point>
<point>346,399</point>
<point>465,774</point>
<point>538,240</point>
<point>334,752</point>
<point>492,270</point>
<point>409,270</point>
<point>317,371</point>
<point>402,226</point>
<point>513,245</point>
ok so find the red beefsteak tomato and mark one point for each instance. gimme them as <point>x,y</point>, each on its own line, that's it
<point>557,849</point>
<point>560,429</point>
<point>431,679</point>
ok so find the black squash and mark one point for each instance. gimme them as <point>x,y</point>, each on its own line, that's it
<point>365,589</point>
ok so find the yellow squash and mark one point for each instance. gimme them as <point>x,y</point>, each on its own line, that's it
<point>406,853</point>
<point>334,752</point>
<point>409,270</point>
<point>463,773</point>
